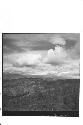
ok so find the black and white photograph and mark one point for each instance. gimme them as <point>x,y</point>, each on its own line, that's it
<point>41,74</point>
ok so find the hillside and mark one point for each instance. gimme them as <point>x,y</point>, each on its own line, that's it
<point>38,94</point>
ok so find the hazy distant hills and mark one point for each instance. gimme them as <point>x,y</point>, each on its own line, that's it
<point>17,76</point>
<point>12,76</point>
<point>7,75</point>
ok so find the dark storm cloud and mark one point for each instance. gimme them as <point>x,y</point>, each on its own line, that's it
<point>70,43</point>
<point>19,42</point>
<point>9,46</point>
<point>35,42</point>
<point>24,42</point>
<point>41,45</point>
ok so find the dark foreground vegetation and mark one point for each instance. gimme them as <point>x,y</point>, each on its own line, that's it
<point>38,94</point>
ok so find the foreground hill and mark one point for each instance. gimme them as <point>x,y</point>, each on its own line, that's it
<point>40,94</point>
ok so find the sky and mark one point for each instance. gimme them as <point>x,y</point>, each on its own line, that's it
<point>56,54</point>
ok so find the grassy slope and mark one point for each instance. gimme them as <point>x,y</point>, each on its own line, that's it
<point>38,94</point>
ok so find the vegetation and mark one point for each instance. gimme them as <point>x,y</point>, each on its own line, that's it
<point>38,94</point>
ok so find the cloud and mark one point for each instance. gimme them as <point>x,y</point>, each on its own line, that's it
<point>57,56</point>
<point>61,54</point>
<point>58,40</point>
<point>55,63</point>
<point>28,59</point>
<point>69,70</point>
<point>42,54</point>
<point>23,42</point>
<point>23,59</point>
<point>75,51</point>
